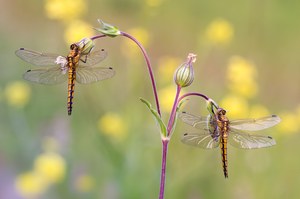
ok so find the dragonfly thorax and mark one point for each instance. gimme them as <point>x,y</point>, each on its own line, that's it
<point>74,55</point>
<point>75,50</point>
<point>222,121</point>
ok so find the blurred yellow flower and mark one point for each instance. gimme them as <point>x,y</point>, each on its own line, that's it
<point>167,67</point>
<point>113,124</point>
<point>65,10</point>
<point>129,48</point>
<point>258,110</point>
<point>219,31</point>
<point>153,3</point>
<point>235,105</point>
<point>141,35</point>
<point>84,183</point>
<point>241,76</point>
<point>245,89</point>
<point>240,69</point>
<point>289,123</point>
<point>17,94</point>
<point>76,30</point>
<point>50,165</point>
<point>167,96</point>
<point>30,184</point>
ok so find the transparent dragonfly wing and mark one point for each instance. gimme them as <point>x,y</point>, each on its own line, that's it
<point>194,121</point>
<point>93,58</point>
<point>246,140</point>
<point>86,75</point>
<point>36,58</point>
<point>202,140</point>
<point>52,75</point>
<point>255,124</point>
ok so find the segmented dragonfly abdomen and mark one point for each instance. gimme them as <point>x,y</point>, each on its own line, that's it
<point>71,87</point>
<point>223,146</point>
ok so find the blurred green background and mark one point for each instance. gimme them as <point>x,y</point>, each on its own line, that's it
<point>248,61</point>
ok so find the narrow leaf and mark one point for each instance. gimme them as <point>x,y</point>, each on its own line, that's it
<point>163,129</point>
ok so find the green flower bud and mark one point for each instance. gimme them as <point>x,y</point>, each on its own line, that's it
<point>210,105</point>
<point>184,75</point>
<point>86,45</point>
<point>108,29</point>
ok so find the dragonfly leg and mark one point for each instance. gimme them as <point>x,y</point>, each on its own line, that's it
<point>85,57</point>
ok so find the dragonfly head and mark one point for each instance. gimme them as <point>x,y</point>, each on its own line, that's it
<point>221,111</point>
<point>74,47</point>
<point>75,50</point>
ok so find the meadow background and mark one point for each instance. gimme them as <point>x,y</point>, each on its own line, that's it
<point>248,61</point>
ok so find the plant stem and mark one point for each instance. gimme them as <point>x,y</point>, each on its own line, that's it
<point>149,68</point>
<point>165,143</point>
<point>196,94</point>
<point>173,112</point>
<point>97,37</point>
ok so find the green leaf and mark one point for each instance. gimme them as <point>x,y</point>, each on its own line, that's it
<point>163,129</point>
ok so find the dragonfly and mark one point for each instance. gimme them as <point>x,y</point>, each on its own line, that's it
<point>76,66</point>
<point>217,130</point>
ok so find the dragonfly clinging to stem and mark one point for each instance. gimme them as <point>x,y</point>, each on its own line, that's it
<point>77,66</point>
<point>217,130</point>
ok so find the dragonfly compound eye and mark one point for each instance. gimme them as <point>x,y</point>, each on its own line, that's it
<point>73,47</point>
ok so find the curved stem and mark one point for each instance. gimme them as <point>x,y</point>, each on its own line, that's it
<point>149,68</point>
<point>165,143</point>
<point>195,94</point>
<point>147,62</point>
<point>97,37</point>
<point>199,95</point>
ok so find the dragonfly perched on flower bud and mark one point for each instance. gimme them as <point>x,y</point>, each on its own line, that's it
<point>216,130</point>
<point>77,65</point>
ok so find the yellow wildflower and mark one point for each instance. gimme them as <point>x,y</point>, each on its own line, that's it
<point>219,31</point>
<point>289,123</point>
<point>154,3</point>
<point>241,75</point>
<point>50,165</point>
<point>167,67</point>
<point>65,10</point>
<point>76,30</point>
<point>17,94</point>
<point>30,184</point>
<point>84,183</point>
<point>235,105</point>
<point>245,89</point>
<point>167,96</point>
<point>240,69</point>
<point>113,124</point>
<point>129,48</point>
<point>258,110</point>
<point>140,34</point>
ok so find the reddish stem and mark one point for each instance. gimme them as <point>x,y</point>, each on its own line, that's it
<point>196,94</point>
<point>149,68</point>
<point>97,37</point>
<point>165,143</point>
